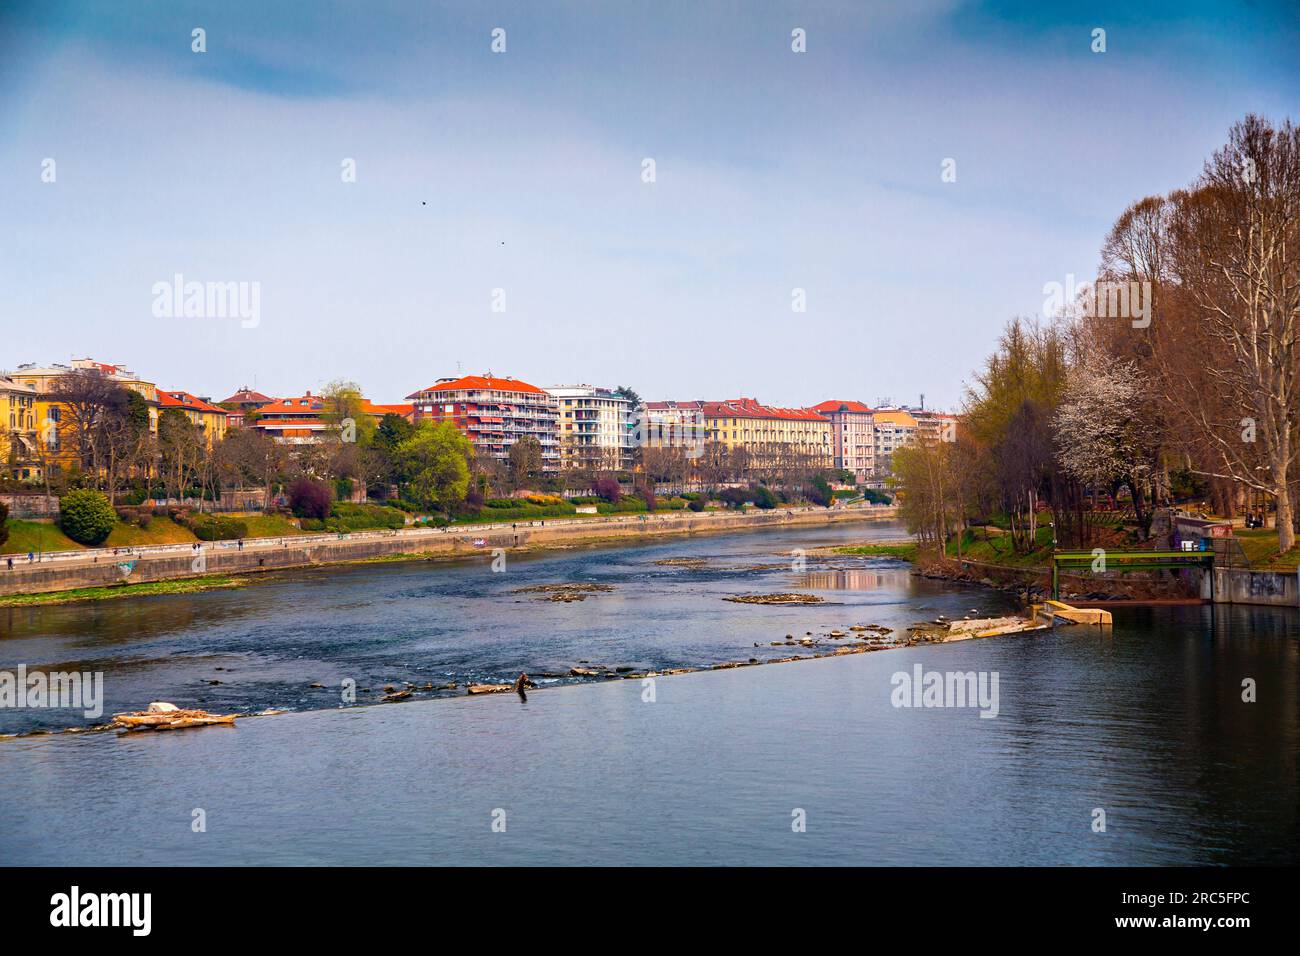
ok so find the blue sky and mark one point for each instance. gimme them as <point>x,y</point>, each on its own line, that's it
<point>522,171</point>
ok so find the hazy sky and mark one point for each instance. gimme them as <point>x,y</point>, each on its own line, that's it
<point>522,171</point>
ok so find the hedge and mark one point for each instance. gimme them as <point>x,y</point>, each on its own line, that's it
<point>217,527</point>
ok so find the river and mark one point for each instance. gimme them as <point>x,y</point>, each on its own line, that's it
<point>804,762</point>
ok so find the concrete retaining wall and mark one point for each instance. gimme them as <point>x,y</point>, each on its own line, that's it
<point>1239,586</point>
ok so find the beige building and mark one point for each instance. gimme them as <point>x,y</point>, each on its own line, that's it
<point>595,427</point>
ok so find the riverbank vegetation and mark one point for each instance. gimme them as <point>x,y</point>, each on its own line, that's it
<point>1172,379</point>
<point>182,586</point>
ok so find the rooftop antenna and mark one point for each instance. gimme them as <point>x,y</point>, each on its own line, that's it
<point>923,401</point>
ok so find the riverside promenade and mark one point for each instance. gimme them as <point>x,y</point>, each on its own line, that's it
<point>102,567</point>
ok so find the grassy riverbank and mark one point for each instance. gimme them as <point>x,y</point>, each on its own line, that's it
<point>182,586</point>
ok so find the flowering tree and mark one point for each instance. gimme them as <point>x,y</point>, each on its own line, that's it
<point>1103,431</point>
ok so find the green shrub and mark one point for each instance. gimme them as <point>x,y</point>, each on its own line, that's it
<point>217,527</point>
<point>86,516</point>
<point>345,516</point>
<point>4,522</point>
<point>696,504</point>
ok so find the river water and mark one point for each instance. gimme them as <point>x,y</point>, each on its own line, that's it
<point>805,762</point>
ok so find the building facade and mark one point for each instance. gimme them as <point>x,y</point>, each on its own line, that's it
<point>893,428</point>
<point>494,413</point>
<point>239,405</point>
<point>209,419</point>
<point>853,436</point>
<point>19,454</point>
<point>767,433</point>
<point>597,427</point>
<point>53,422</point>
<point>933,427</point>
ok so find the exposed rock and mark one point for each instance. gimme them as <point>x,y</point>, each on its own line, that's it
<point>775,599</point>
<point>564,592</point>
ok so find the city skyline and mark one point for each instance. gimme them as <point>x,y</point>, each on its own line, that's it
<point>479,171</point>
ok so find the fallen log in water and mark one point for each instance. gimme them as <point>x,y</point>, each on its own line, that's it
<point>164,716</point>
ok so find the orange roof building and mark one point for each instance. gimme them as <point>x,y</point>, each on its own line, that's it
<point>210,419</point>
<point>494,413</point>
<point>304,419</point>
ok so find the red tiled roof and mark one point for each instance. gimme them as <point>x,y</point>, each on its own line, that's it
<point>293,406</point>
<point>187,401</point>
<point>749,408</point>
<point>376,409</point>
<point>246,396</point>
<point>471,382</point>
<point>840,406</point>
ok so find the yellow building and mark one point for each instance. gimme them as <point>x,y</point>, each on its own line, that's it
<point>208,418</point>
<point>19,453</point>
<point>765,432</point>
<point>53,424</point>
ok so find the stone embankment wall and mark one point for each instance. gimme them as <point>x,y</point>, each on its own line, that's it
<point>102,567</point>
<point>1238,586</point>
<point>31,506</point>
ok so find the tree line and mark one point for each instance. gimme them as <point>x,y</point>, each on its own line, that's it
<point>1173,375</point>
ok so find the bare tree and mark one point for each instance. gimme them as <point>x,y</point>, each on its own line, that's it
<point>1229,359</point>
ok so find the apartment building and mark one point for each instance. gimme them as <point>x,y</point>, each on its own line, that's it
<point>19,453</point>
<point>766,432</point>
<point>239,405</point>
<point>853,436</point>
<point>671,425</point>
<point>52,418</point>
<point>307,419</point>
<point>596,427</point>
<point>933,427</point>
<point>893,428</point>
<point>208,418</point>
<point>494,413</point>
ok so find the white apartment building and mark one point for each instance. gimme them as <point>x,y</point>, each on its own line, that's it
<point>596,427</point>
